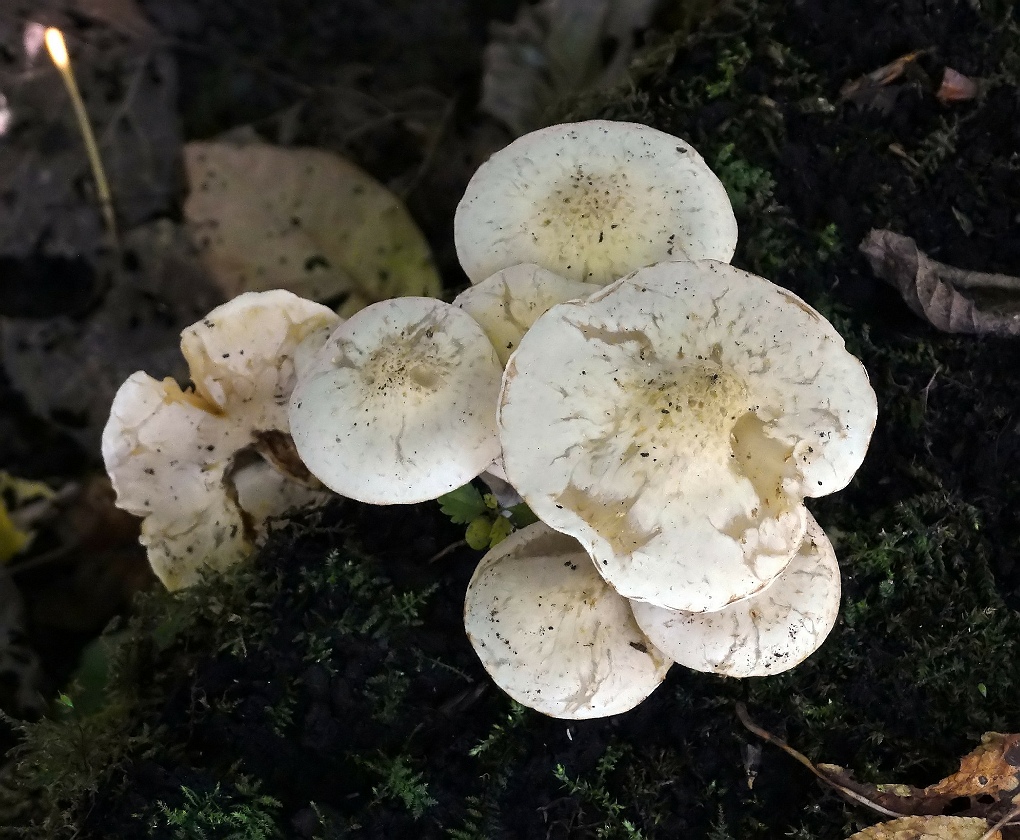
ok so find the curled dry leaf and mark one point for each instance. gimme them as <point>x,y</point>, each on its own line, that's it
<point>993,769</point>
<point>932,289</point>
<point>882,76</point>
<point>304,220</point>
<point>989,777</point>
<point>929,828</point>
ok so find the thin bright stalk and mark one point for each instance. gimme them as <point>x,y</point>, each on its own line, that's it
<point>57,49</point>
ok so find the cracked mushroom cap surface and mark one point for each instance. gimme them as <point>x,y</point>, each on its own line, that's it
<point>509,302</point>
<point>767,633</point>
<point>674,422</point>
<point>553,634</point>
<point>593,201</point>
<point>170,452</point>
<point>400,406</point>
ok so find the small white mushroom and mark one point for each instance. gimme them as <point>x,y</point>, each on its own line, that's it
<point>553,634</point>
<point>593,201</point>
<point>400,405</point>
<point>171,453</point>
<point>768,633</point>
<point>674,422</point>
<point>509,302</point>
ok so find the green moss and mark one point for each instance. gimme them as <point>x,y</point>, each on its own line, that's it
<point>61,763</point>
<point>217,815</point>
<point>400,782</point>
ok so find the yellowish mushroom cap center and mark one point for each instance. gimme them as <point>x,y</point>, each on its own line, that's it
<point>585,205</point>
<point>688,411</point>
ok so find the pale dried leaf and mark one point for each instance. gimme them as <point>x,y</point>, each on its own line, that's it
<point>554,49</point>
<point>931,289</point>
<point>928,828</point>
<point>304,220</point>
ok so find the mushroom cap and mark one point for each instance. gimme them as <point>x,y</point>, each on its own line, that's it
<point>510,301</point>
<point>400,406</point>
<point>169,452</point>
<point>768,633</point>
<point>674,422</point>
<point>242,354</point>
<point>553,634</point>
<point>592,201</point>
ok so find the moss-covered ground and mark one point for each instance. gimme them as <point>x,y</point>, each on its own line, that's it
<point>328,691</point>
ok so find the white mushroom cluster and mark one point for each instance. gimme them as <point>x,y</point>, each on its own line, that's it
<point>665,423</point>
<point>663,414</point>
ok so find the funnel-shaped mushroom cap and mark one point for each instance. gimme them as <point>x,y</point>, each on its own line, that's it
<point>674,422</point>
<point>592,201</point>
<point>509,302</point>
<point>170,452</point>
<point>401,405</point>
<point>553,634</point>
<point>765,634</point>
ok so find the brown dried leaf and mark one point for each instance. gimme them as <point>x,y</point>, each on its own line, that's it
<point>989,777</point>
<point>882,76</point>
<point>956,87</point>
<point>990,770</point>
<point>928,828</point>
<point>305,220</point>
<point>930,288</point>
<point>890,798</point>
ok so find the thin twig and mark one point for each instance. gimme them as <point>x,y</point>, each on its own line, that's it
<point>988,835</point>
<point>803,759</point>
<point>448,550</point>
<point>58,53</point>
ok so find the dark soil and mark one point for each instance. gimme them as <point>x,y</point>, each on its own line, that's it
<point>329,691</point>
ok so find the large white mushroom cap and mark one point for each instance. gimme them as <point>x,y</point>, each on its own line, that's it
<point>768,633</point>
<point>400,404</point>
<point>553,634</point>
<point>509,302</point>
<point>674,422</point>
<point>593,201</point>
<point>170,453</point>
